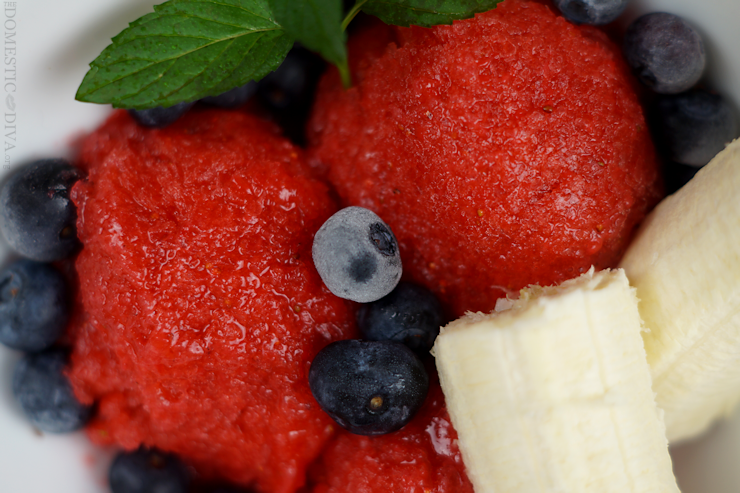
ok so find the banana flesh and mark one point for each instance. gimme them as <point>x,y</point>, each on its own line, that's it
<point>553,393</point>
<point>685,264</point>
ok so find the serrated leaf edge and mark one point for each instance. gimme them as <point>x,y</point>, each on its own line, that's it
<point>81,95</point>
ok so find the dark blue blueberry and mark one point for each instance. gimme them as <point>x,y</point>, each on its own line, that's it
<point>357,255</point>
<point>233,98</point>
<point>288,92</point>
<point>410,314</point>
<point>694,126</point>
<point>665,52</point>
<point>148,471</point>
<point>369,387</point>
<point>594,12</point>
<point>290,84</point>
<point>34,305</point>
<point>45,394</point>
<point>677,175</point>
<point>160,117</point>
<point>37,216</point>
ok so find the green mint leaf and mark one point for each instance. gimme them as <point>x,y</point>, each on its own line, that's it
<point>186,50</point>
<point>426,13</point>
<point>317,24</point>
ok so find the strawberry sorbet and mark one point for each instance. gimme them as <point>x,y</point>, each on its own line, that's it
<point>202,307</point>
<point>505,150</point>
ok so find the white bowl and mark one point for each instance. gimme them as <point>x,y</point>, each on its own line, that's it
<point>56,41</point>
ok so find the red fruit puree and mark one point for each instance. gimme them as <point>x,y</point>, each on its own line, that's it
<point>503,151</point>
<point>203,311</point>
<point>203,308</point>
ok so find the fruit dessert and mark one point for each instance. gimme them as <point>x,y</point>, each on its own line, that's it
<point>202,307</point>
<point>692,310</point>
<point>554,386</point>
<point>506,150</point>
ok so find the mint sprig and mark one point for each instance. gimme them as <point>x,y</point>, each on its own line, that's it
<point>189,49</point>
<point>426,13</point>
<point>317,24</point>
<point>185,50</point>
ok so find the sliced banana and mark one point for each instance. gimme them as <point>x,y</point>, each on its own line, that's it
<point>685,264</point>
<point>553,393</point>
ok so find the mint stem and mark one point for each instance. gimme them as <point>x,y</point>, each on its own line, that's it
<point>344,74</point>
<point>353,13</point>
<point>344,66</point>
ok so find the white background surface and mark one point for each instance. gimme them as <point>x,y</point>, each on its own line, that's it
<point>56,40</point>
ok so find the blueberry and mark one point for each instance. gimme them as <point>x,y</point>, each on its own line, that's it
<point>148,471</point>
<point>694,126</point>
<point>594,12</point>
<point>677,175</point>
<point>357,255</point>
<point>410,314</point>
<point>368,387</point>
<point>37,216</point>
<point>665,52</point>
<point>45,394</point>
<point>288,92</point>
<point>290,84</point>
<point>160,117</point>
<point>233,98</point>
<point>34,305</point>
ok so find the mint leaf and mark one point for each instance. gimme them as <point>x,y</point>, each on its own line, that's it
<point>426,13</point>
<point>317,24</point>
<point>186,50</point>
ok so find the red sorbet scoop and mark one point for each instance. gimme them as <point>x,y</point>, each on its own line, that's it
<point>203,308</point>
<point>504,150</point>
<point>422,457</point>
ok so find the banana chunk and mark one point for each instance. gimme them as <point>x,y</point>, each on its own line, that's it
<point>685,264</point>
<point>552,394</point>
